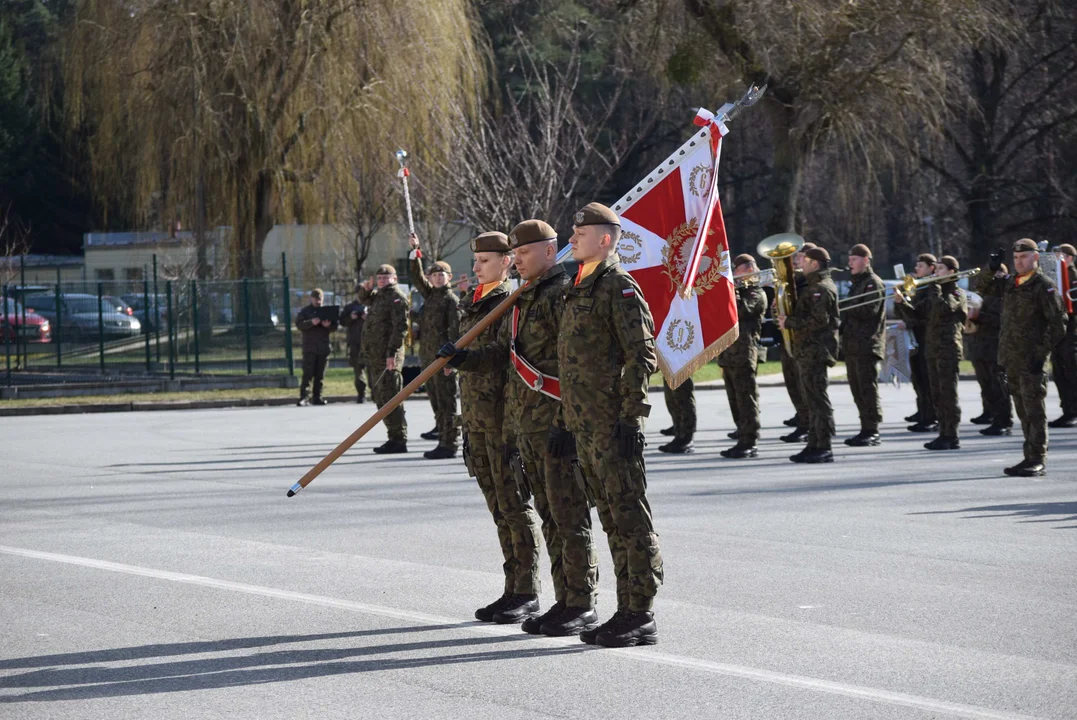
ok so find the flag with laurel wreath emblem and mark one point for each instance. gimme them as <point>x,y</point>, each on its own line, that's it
<point>673,242</point>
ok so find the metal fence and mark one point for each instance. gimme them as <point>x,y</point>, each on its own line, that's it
<point>113,327</point>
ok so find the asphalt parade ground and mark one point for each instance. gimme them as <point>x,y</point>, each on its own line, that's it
<point>152,567</point>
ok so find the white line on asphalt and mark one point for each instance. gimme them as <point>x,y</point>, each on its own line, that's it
<point>638,655</point>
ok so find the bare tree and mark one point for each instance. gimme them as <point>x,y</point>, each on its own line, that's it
<point>14,246</point>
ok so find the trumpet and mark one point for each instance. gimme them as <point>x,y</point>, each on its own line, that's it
<point>762,278</point>
<point>908,287</point>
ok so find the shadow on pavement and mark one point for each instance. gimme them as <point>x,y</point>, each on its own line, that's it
<point>1057,512</point>
<point>251,669</point>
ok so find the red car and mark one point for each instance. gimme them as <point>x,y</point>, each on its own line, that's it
<point>36,330</point>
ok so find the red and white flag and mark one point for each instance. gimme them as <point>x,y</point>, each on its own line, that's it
<point>673,242</point>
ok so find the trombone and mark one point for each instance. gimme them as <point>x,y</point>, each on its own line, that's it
<point>762,278</point>
<point>908,287</point>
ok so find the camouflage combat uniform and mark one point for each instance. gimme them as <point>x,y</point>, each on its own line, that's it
<point>355,341</point>
<point>983,349</point>
<point>740,361</point>
<point>606,355</point>
<point>559,499</point>
<point>681,404</point>
<point>790,371</point>
<point>947,310</point>
<point>1064,360</point>
<point>814,323</point>
<point>438,324</point>
<point>863,340</point>
<point>915,317</point>
<point>1033,322</point>
<point>384,331</point>
<point>482,402</point>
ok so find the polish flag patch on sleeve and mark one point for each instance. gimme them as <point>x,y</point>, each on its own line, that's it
<point>628,292</point>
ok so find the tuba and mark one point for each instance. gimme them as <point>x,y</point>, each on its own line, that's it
<point>780,249</point>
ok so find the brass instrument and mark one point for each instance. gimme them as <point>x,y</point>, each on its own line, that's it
<point>780,249</point>
<point>762,278</point>
<point>907,288</point>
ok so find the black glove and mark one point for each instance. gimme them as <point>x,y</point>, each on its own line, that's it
<point>629,438</point>
<point>560,442</point>
<point>995,263</point>
<point>456,357</point>
<point>1036,367</point>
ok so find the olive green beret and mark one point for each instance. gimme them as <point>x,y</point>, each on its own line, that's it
<point>927,259</point>
<point>1025,245</point>
<point>595,214</point>
<point>818,254</point>
<point>491,242</point>
<point>386,270</point>
<point>1067,249</point>
<point>531,231</point>
<point>949,261</point>
<point>742,259</point>
<point>439,266</point>
<point>860,250</point>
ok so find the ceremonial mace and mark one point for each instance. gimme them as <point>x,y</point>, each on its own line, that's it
<point>403,173</point>
<point>431,370</point>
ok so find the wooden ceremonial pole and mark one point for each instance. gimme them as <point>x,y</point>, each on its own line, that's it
<point>401,396</point>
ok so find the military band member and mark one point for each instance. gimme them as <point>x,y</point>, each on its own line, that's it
<point>914,317</point>
<point>790,373</point>
<point>947,311</point>
<point>740,361</point>
<point>315,348</point>
<point>606,354</point>
<point>352,317</point>
<point>527,346</point>
<point>487,439</point>
<point>863,340</point>
<point>382,351</point>
<point>814,323</point>
<point>681,404</point>
<point>438,324</point>
<point>1033,322</point>
<point>982,344</point>
<point>1064,357</point>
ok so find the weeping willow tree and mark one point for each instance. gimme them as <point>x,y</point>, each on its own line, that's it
<point>239,111</point>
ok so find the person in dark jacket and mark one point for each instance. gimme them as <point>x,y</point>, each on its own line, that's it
<point>981,338</point>
<point>315,348</point>
<point>740,361</point>
<point>1064,355</point>
<point>914,317</point>
<point>352,316</point>
<point>862,340</point>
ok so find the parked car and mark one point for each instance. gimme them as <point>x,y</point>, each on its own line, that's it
<point>156,316</point>
<point>36,329</point>
<point>79,316</point>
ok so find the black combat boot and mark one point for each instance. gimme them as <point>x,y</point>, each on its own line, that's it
<point>1026,468</point>
<point>431,435</point>
<point>816,455</point>
<point>943,443</point>
<point>486,613</point>
<point>740,450</point>
<point>982,419</point>
<point>634,628</point>
<point>588,636</point>
<point>798,435</point>
<point>914,418</point>
<point>922,427</point>
<point>668,432</point>
<point>440,453</point>
<point>678,446</point>
<point>733,435</point>
<point>571,621</point>
<point>799,457</point>
<point>317,400</point>
<point>303,401</point>
<point>516,609</point>
<point>1066,421</point>
<point>866,438</point>
<point>995,430</point>
<point>392,447</point>
<point>792,422</point>
<point>532,625</point>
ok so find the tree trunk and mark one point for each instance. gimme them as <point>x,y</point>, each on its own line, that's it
<point>781,203</point>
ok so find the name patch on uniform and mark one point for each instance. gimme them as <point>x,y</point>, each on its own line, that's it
<point>628,292</point>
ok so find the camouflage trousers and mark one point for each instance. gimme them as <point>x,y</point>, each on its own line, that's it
<point>921,385</point>
<point>1064,370</point>
<point>619,488</point>
<point>943,372</point>
<point>994,391</point>
<point>792,386</point>
<point>743,394</point>
<point>357,367</point>
<point>382,388</point>
<point>441,389</point>
<point>681,404</point>
<point>1029,392</point>
<point>566,522</point>
<point>516,522</point>
<point>863,372</point>
<point>814,384</point>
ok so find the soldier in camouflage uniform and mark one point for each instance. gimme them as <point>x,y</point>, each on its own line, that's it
<point>947,310</point>
<point>382,351</point>
<point>681,404</point>
<point>527,345</point>
<point>606,354</point>
<point>438,324</point>
<point>790,372</point>
<point>1064,357</point>
<point>982,344</point>
<point>914,316</point>
<point>352,316</point>
<point>740,361</point>
<point>862,332</point>
<point>814,323</point>
<point>1033,322</point>
<point>488,438</point>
